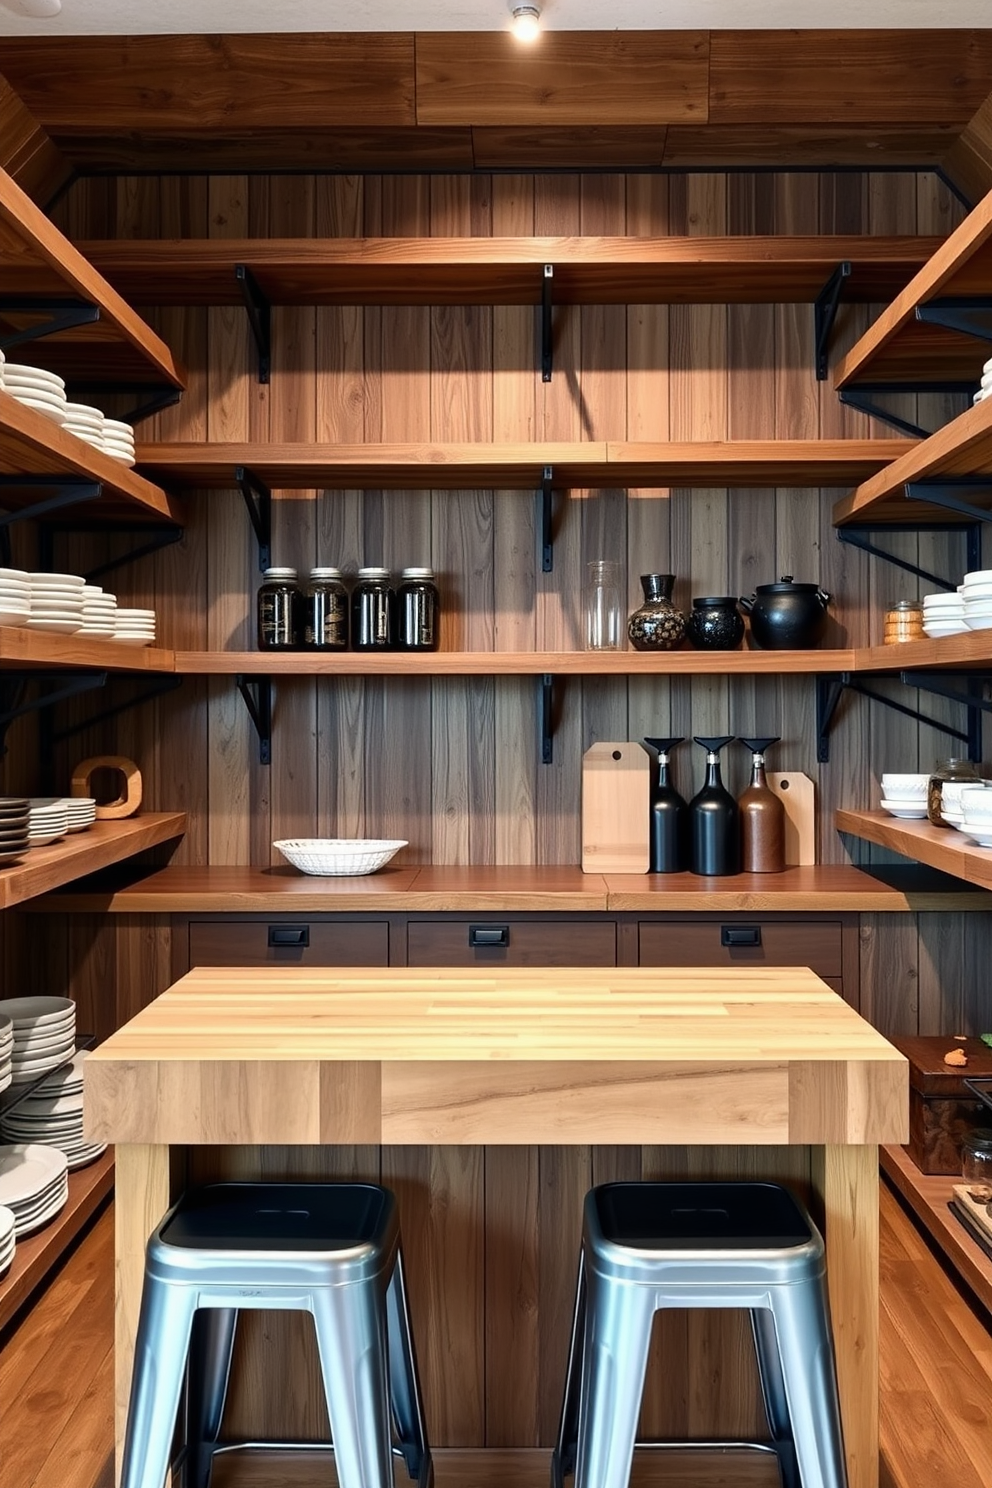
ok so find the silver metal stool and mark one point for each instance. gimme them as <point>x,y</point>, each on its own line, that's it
<point>330,1249</point>
<point>646,1246</point>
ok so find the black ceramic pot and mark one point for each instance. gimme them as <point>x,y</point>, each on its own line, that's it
<point>658,625</point>
<point>715,624</point>
<point>787,616</point>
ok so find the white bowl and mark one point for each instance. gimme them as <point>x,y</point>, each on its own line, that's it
<point>345,857</point>
<point>979,576</point>
<point>905,785</point>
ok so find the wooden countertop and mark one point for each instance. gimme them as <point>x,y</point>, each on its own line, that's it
<point>234,890</point>
<point>508,1056</point>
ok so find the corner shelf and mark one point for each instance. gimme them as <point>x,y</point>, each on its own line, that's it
<point>105,843</point>
<point>937,847</point>
<point>38,264</point>
<point>35,1255</point>
<point>928,1195</point>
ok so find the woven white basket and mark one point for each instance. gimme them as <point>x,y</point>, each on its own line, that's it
<point>337,857</point>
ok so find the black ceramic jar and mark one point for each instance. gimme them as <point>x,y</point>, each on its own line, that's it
<point>715,624</point>
<point>658,624</point>
<point>787,616</point>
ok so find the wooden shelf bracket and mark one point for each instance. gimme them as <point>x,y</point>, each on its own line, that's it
<point>860,538</point>
<point>825,308</point>
<point>547,350</point>
<point>258,501</point>
<point>259,311</point>
<point>256,693</point>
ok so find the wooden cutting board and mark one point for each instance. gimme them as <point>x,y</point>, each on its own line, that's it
<point>616,808</point>
<point>797,793</point>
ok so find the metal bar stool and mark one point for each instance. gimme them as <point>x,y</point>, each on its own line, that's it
<point>646,1246</point>
<point>330,1249</point>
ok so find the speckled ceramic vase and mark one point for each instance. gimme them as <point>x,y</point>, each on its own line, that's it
<point>658,625</point>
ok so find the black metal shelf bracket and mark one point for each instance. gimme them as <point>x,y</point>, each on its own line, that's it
<point>14,704</point>
<point>61,315</point>
<point>859,537</point>
<point>258,500</point>
<point>156,687</point>
<point>259,311</point>
<point>972,698</point>
<point>969,314</point>
<point>157,535</point>
<point>257,695</point>
<point>830,690</point>
<point>944,491</point>
<point>63,491</point>
<point>154,396</point>
<point>547,355</point>
<point>547,521</point>
<point>549,717</point>
<point>825,308</point>
<point>862,398</point>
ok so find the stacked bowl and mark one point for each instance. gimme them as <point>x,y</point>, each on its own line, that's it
<point>49,820</point>
<point>944,614</point>
<point>99,614</point>
<point>976,591</point>
<point>976,814</point>
<point>15,826</point>
<point>905,796</point>
<point>44,1035</point>
<point>56,603</point>
<point>985,387</point>
<point>53,1115</point>
<point>6,1051</point>
<point>34,1184</point>
<point>134,627</point>
<point>15,596</point>
<point>36,388</point>
<point>118,440</point>
<point>8,1239</point>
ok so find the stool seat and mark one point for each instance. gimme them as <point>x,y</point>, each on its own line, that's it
<point>699,1216</point>
<point>286,1216</point>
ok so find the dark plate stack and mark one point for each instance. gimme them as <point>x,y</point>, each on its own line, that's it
<point>15,813</point>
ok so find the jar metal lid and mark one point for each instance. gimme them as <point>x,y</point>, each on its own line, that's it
<point>417,573</point>
<point>913,606</point>
<point>279,573</point>
<point>979,1140</point>
<point>715,602</point>
<point>325,573</point>
<point>373,573</point>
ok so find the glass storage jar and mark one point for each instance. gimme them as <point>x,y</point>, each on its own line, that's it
<point>903,622</point>
<point>326,611</point>
<point>373,611</point>
<point>279,611</point>
<point>947,771</point>
<point>603,605</point>
<point>976,1157</point>
<point>417,610</point>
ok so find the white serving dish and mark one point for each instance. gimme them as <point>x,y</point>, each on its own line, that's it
<point>338,857</point>
<point>906,811</point>
<point>898,786</point>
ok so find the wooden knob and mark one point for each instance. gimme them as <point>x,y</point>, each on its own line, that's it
<point>129,791</point>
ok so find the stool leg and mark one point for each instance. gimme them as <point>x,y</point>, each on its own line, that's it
<point>563,1457</point>
<point>351,1340</point>
<point>773,1393</point>
<point>403,1377</point>
<point>616,1339</point>
<point>210,1349</point>
<point>802,1326</point>
<point>160,1351</point>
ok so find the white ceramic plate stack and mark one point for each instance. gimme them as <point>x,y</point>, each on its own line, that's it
<point>48,821</point>
<point>6,1050</point>
<point>986,383</point>
<point>44,1034</point>
<point>15,821</point>
<point>134,627</point>
<point>80,812</point>
<point>943,614</point>
<point>15,596</point>
<point>8,1239</point>
<point>53,1116</point>
<point>905,796</point>
<point>974,813</point>
<point>37,389</point>
<point>56,603</point>
<point>976,591</point>
<point>86,422</point>
<point>118,440</point>
<point>99,614</point>
<point>34,1184</point>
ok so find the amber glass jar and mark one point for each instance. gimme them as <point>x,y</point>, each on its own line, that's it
<point>947,770</point>
<point>903,622</point>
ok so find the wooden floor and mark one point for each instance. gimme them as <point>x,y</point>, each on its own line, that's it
<point>56,1388</point>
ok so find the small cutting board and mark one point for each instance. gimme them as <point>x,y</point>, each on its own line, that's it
<point>616,808</point>
<point>797,793</point>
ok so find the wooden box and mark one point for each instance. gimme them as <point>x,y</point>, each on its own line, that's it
<point>942,1110</point>
<point>616,808</point>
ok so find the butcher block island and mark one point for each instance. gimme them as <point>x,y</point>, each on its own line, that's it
<point>490,1101</point>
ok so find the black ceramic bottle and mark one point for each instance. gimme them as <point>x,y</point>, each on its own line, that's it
<point>669,816</point>
<point>714,819</point>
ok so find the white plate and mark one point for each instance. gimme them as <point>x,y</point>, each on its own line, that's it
<point>978,622</point>
<point>14,576</point>
<point>38,1221</point>
<point>130,640</point>
<point>32,373</point>
<point>59,580</point>
<point>85,1158</point>
<point>905,813</point>
<point>135,614</point>
<point>55,627</point>
<point>44,409</point>
<point>12,618</point>
<point>40,1041</point>
<point>32,1011</point>
<point>27,1169</point>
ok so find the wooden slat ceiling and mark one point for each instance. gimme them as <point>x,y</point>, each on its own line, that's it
<point>441,101</point>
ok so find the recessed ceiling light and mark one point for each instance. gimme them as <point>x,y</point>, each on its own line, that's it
<point>41,10</point>
<point>526,23</point>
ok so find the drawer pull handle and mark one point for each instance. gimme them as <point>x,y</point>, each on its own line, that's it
<point>289,935</point>
<point>488,935</point>
<point>740,935</point>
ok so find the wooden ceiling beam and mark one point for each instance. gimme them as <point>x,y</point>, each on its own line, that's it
<point>26,152</point>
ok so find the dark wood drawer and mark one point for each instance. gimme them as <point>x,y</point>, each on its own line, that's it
<point>523,943</point>
<point>817,944</point>
<point>288,943</point>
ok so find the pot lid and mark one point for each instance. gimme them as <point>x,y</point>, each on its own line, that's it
<point>786,586</point>
<point>715,602</point>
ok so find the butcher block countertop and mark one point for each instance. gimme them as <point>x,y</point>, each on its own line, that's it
<point>291,1055</point>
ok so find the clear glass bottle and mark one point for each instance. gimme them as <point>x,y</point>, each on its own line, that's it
<point>326,611</point>
<point>603,605</point>
<point>976,1157</point>
<point>417,610</point>
<point>279,610</point>
<point>947,770</point>
<point>373,611</point>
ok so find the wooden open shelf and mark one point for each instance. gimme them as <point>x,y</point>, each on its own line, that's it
<point>972,648</point>
<point>962,447</point>
<point>28,648</point>
<point>900,348</point>
<point>31,444</point>
<point>36,260</point>
<point>757,462</point>
<point>36,1254</point>
<point>508,271</point>
<point>928,1196</point>
<point>938,847</point>
<point>106,842</point>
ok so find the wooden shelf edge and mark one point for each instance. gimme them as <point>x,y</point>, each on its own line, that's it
<point>21,647</point>
<point>928,1197</point>
<point>103,844</point>
<point>37,1254</point>
<point>962,447</point>
<point>510,663</point>
<point>938,847</point>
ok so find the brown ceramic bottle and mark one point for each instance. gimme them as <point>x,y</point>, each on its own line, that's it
<point>762,817</point>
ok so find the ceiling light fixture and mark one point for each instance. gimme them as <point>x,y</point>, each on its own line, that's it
<point>526,23</point>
